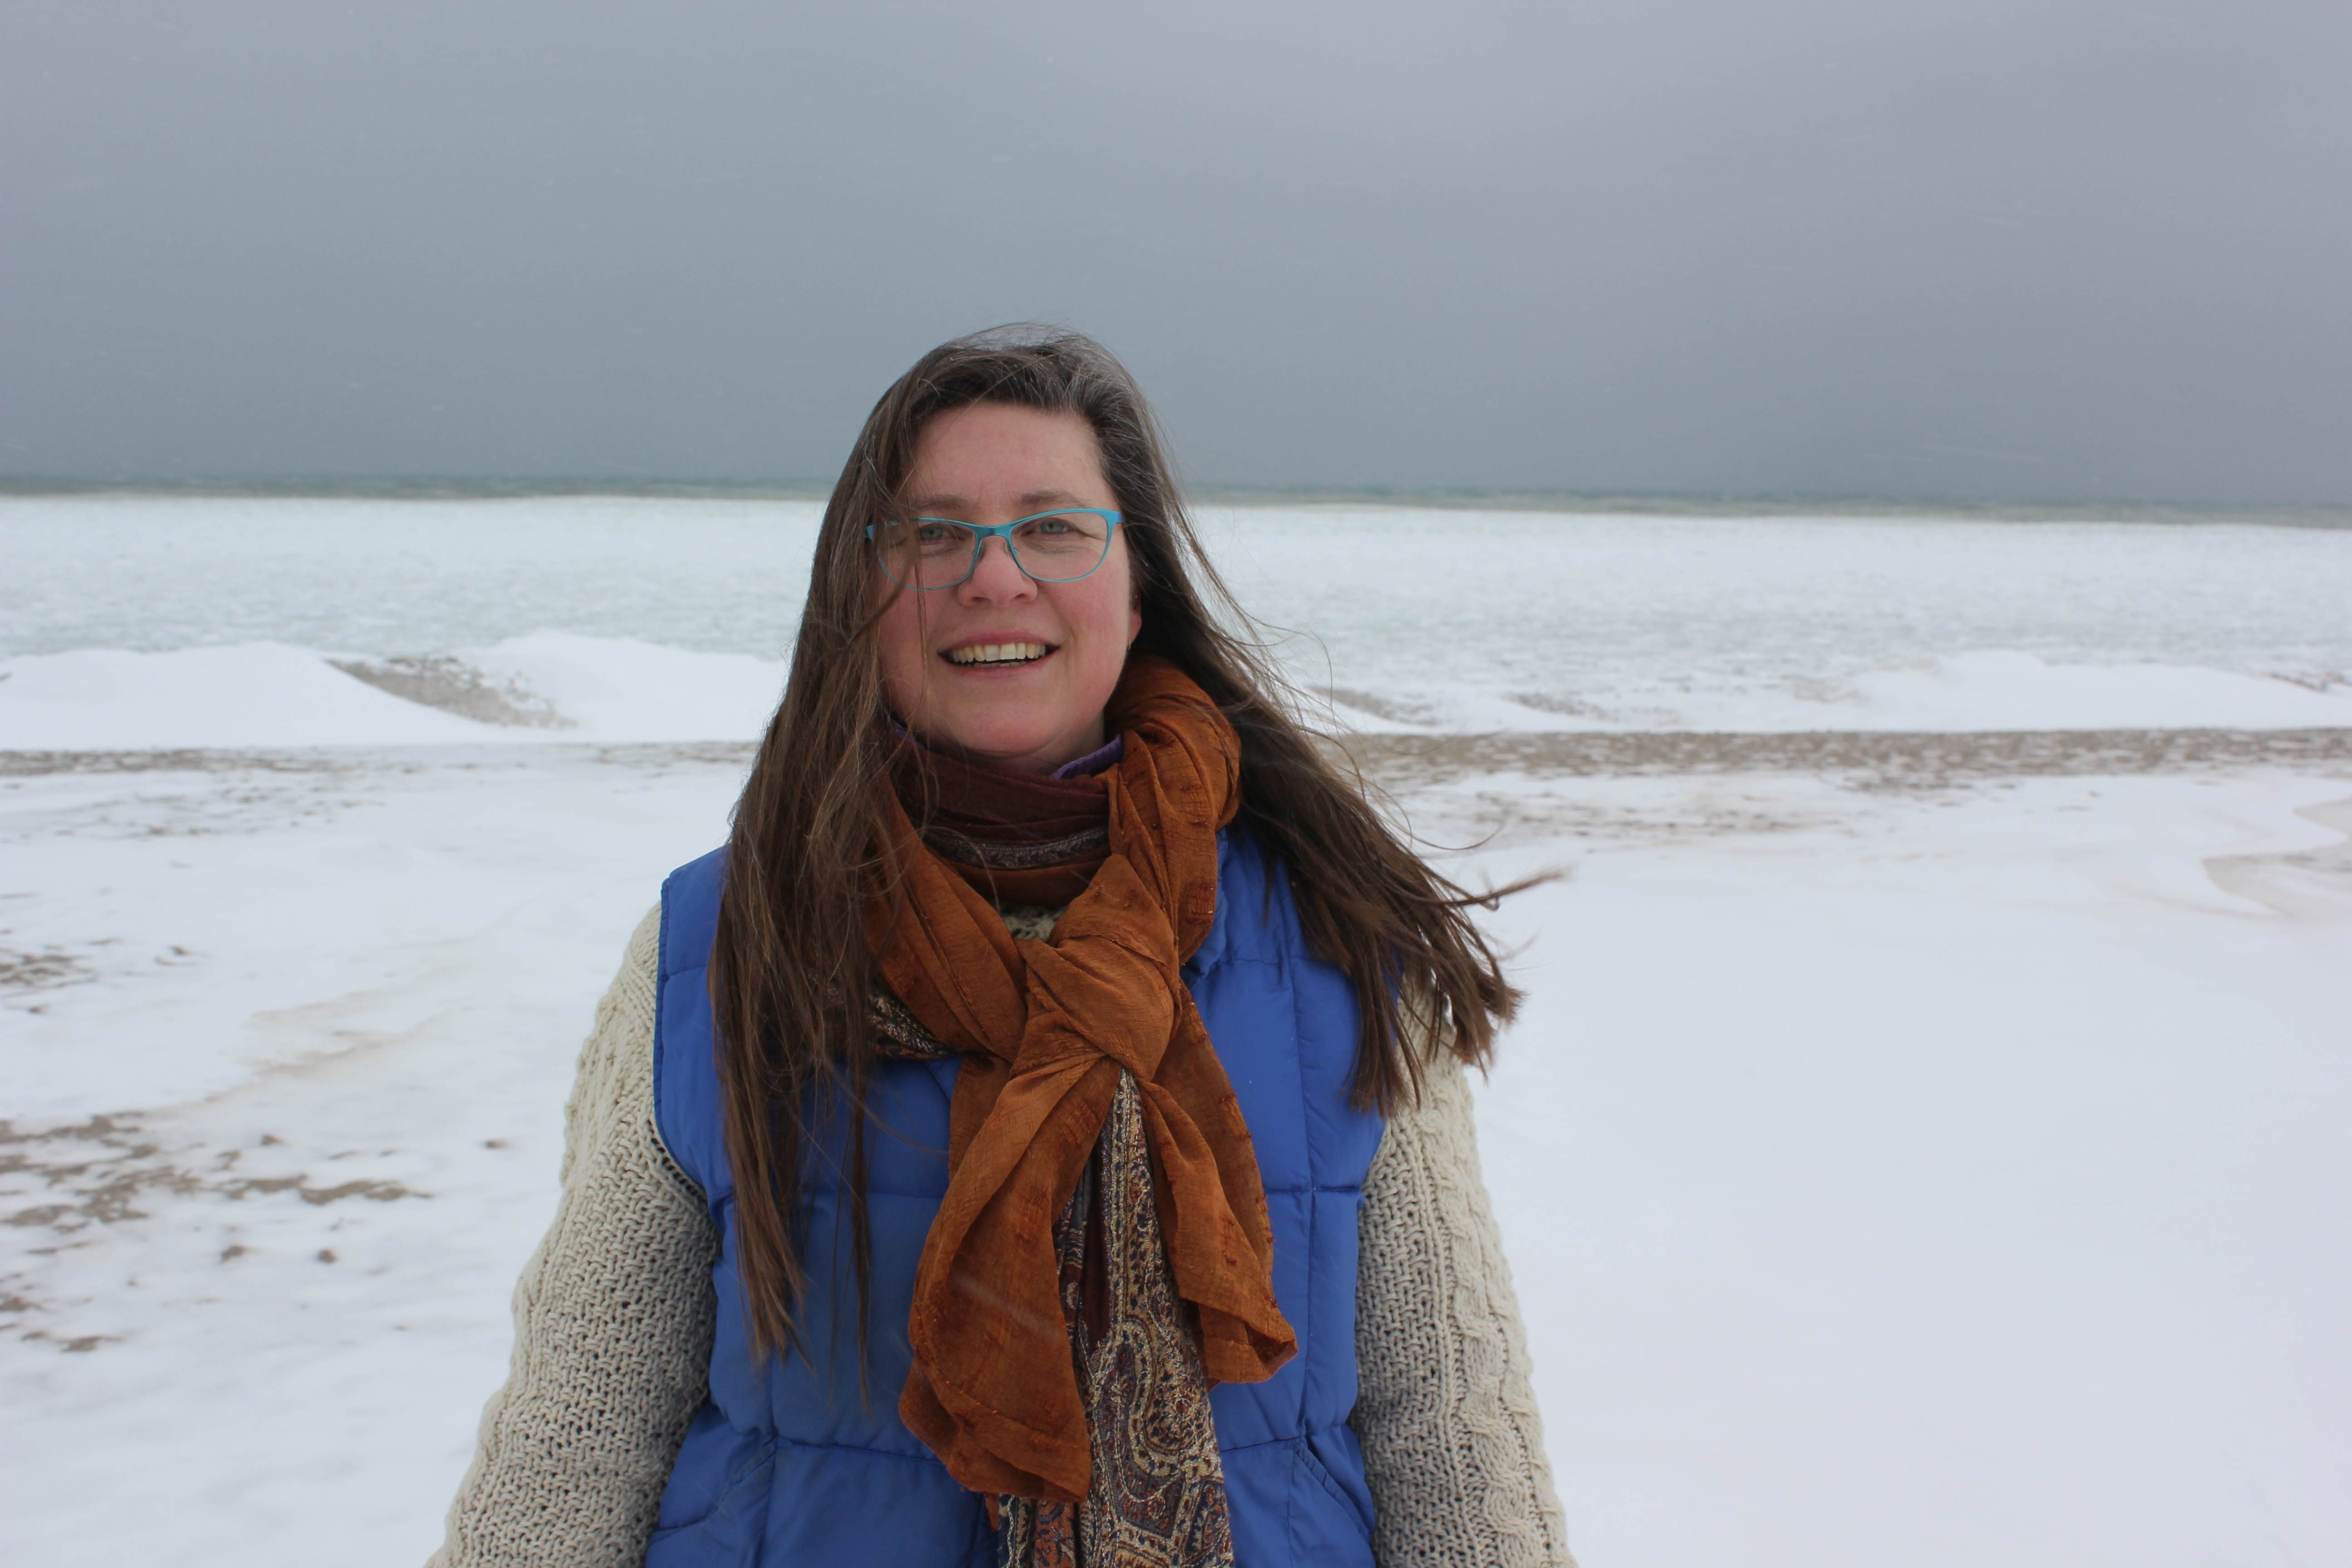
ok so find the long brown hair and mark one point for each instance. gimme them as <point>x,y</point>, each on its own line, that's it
<point>790,973</point>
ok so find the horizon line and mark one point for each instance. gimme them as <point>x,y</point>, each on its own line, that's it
<point>1444,497</point>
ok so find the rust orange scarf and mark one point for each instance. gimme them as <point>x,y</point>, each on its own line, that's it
<point>1046,1027</point>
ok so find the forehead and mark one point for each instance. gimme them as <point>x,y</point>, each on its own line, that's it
<point>992,454</point>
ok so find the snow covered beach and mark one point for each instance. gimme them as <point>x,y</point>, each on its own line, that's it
<point>1922,1143</point>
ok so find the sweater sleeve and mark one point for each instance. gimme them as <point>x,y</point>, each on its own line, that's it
<point>614,1317</point>
<point>1453,1445</point>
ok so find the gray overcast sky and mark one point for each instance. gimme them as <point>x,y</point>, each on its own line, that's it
<point>2062,248</point>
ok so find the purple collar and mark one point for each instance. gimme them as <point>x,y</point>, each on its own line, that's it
<point>1093,762</point>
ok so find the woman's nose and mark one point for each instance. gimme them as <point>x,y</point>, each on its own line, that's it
<point>996,578</point>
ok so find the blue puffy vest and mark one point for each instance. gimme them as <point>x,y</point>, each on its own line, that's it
<point>802,1462</point>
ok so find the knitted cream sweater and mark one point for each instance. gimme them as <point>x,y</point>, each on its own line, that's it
<point>614,1320</point>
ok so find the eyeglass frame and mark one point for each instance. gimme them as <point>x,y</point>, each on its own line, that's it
<point>981,536</point>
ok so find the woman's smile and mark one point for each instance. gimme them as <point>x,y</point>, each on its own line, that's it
<point>999,654</point>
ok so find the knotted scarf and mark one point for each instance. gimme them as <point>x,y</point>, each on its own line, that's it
<point>1061,1039</point>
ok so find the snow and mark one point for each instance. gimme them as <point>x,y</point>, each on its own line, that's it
<point>270,695</point>
<point>376,977</point>
<point>624,689</point>
<point>254,694</point>
<point>1928,1166</point>
<point>1962,1184</point>
<point>2001,690</point>
<point>1928,1178</point>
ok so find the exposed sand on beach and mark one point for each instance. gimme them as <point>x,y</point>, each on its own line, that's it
<point>1892,759</point>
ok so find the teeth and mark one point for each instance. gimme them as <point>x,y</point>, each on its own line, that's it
<point>997,653</point>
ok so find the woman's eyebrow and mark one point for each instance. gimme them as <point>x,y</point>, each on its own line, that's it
<point>960,503</point>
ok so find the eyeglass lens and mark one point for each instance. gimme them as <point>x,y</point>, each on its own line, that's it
<point>931,553</point>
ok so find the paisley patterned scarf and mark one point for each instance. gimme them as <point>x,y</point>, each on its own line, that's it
<point>1103,1253</point>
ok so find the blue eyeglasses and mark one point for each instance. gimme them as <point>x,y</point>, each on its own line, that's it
<point>931,552</point>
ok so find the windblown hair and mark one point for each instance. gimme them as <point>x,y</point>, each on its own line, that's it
<point>790,973</point>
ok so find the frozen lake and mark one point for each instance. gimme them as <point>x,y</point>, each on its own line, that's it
<point>1448,620</point>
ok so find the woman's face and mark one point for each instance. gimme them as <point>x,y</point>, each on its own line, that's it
<point>989,463</point>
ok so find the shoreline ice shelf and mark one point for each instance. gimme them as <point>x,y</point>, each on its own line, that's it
<point>561,686</point>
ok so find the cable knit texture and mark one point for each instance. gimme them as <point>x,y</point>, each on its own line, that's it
<point>1452,1446</point>
<point>613,1325</point>
<point>613,1318</point>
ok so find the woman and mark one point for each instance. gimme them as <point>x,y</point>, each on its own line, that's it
<point>1040,1137</point>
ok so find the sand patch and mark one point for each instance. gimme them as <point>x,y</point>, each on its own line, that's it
<point>456,687</point>
<point>1866,760</point>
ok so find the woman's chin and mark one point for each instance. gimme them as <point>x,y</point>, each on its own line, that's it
<point>1020,748</point>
